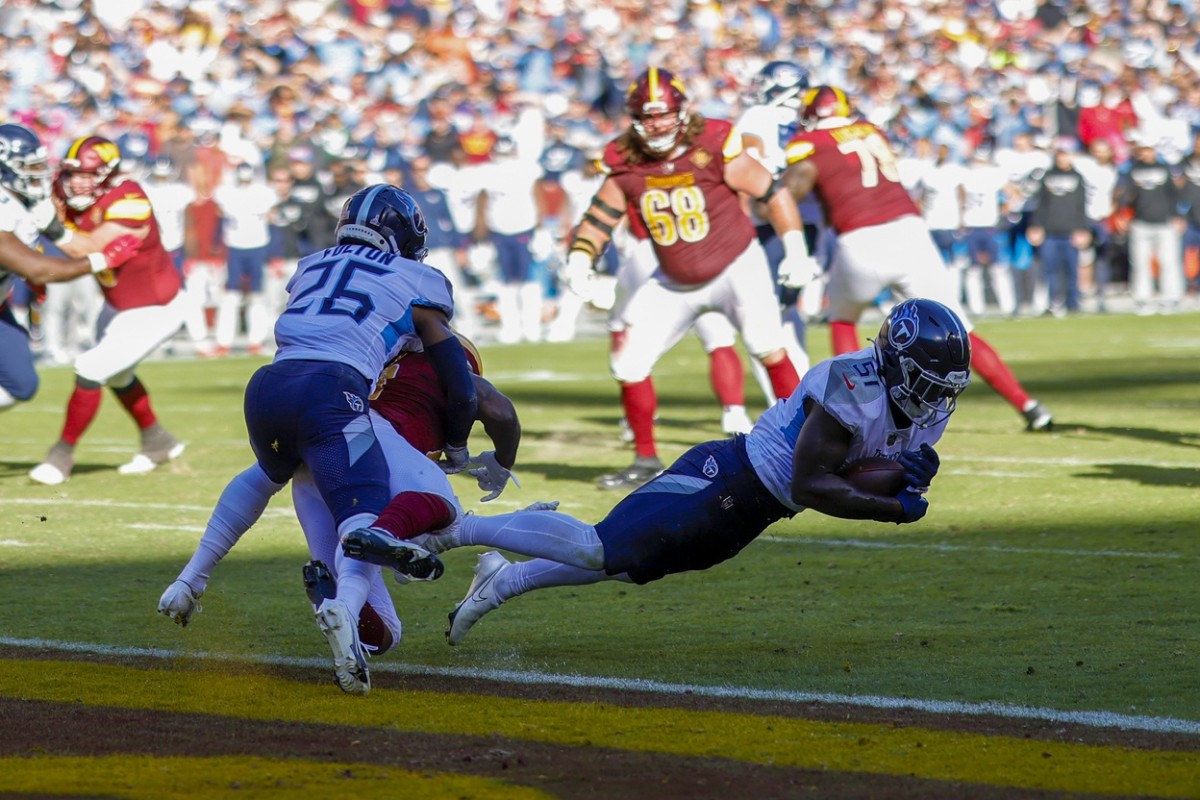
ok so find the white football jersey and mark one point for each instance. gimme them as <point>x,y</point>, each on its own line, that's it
<point>850,389</point>
<point>15,219</point>
<point>353,304</point>
<point>774,125</point>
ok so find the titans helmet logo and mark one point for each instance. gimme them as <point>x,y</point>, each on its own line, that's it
<point>904,329</point>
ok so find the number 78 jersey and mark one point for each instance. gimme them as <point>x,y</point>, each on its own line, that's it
<point>858,181</point>
<point>353,304</point>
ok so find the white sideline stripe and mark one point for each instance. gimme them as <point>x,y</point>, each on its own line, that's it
<point>962,548</point>
<point>13,543</point>
<point>1092,719</point>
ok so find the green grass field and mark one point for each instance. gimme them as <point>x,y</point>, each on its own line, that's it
<point>1055,570</point>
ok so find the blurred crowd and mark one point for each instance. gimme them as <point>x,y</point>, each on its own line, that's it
<point>319,98</point>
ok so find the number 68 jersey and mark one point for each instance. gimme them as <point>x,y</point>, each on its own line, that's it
<point>858,182</point>
<point>353,304</point>
<point>682,204</point>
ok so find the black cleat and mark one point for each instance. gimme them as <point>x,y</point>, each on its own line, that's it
<point>319,583</point>
<point>379,547</point>
<point>642,470</point>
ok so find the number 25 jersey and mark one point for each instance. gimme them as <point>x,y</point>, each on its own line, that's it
<point>858,181</point>
<point>683,205</point>
<point>353,304</point>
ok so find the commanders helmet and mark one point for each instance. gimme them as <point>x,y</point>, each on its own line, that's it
<point>924,356</point>
<point>659,98</point>
<point>779,83</point>
<point>474,360</point>
<point>820,103</point>
<point>384,217</point>
<point>89,155</point>
<point>24,164</point>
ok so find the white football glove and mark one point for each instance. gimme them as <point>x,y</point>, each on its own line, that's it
<point>796,272</point>
<point>179,602</point>
<point>492,476</point>
<point>454,459</point>
<point>577,274</point>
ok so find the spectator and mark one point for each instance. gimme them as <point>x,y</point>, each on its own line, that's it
<point>245,206</point>
<point>1150,192</point>
<point>1059,227</point>
<point>1100,174</point>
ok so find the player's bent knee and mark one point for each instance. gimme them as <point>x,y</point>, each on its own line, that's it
<point>774,357</point>
<point>629,370</point>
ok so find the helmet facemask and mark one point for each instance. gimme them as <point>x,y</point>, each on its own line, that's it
<point>924,355</point>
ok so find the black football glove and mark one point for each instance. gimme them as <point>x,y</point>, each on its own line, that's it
<point>919,466</point>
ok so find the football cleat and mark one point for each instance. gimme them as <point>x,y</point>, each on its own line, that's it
<point>56,468</point>
<point>735,420</point>
<point>1037,417</point>
<point>158,447</point>
<point>319,583</point>
<point>380,547</point>
<point>481,596</point>
<point>349,660</point>
<point>178,603</point>
<point>642,470</point>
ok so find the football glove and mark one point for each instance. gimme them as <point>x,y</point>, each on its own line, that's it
<point>492,476</point>
<point>178,603</point>
<point>914,504</point>
<point>115,253</point>
<point>919,466</point>
<point>577,274</point>
<point>797,271</point>
<point>454,459</point>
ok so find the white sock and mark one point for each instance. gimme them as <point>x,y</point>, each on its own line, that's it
<point>354,581</point>
<point>541,534</point>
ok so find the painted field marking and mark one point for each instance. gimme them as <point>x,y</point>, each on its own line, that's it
<point>962,548</point>
<point>66,501</point>
<point>879,748</point>
<point>1094,719</point>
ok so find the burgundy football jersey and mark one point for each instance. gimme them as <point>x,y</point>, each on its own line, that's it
<point>683,205</point>
<point>147,279</point>
<point>858,182</point>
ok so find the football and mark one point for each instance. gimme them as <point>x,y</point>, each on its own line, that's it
<point>876,475</point>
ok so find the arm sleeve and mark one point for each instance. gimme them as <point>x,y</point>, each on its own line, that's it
<point>240,506</point>
<point>449,361</point>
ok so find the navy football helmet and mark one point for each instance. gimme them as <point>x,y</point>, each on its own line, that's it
<point>779,83</point>
<point>384,217</point>
<point>24,164</point>
<point>924,356</point>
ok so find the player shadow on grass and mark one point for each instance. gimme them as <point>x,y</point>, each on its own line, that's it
<point>1182,477</point>
<point>10,468</point>
<point>1176,438</point>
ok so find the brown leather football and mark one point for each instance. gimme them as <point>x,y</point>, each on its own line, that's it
<point>876,475</point>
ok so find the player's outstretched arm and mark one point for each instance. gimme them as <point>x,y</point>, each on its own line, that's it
<point>821,448</point>
<point>592,235</point>
<point>37,267</point>
<point>493,468</point>
<point>81,243</point>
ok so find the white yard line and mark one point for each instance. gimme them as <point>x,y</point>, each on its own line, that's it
<point>66,501</point>
<point>1093,719</point>
<point>868,544</point>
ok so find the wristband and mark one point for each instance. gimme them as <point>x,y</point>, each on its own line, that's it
<point>98,261</point>
<point>794,244</point>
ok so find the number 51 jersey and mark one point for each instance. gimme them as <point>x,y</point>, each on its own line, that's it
<point>353,304</point>
<point>858,181</point>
